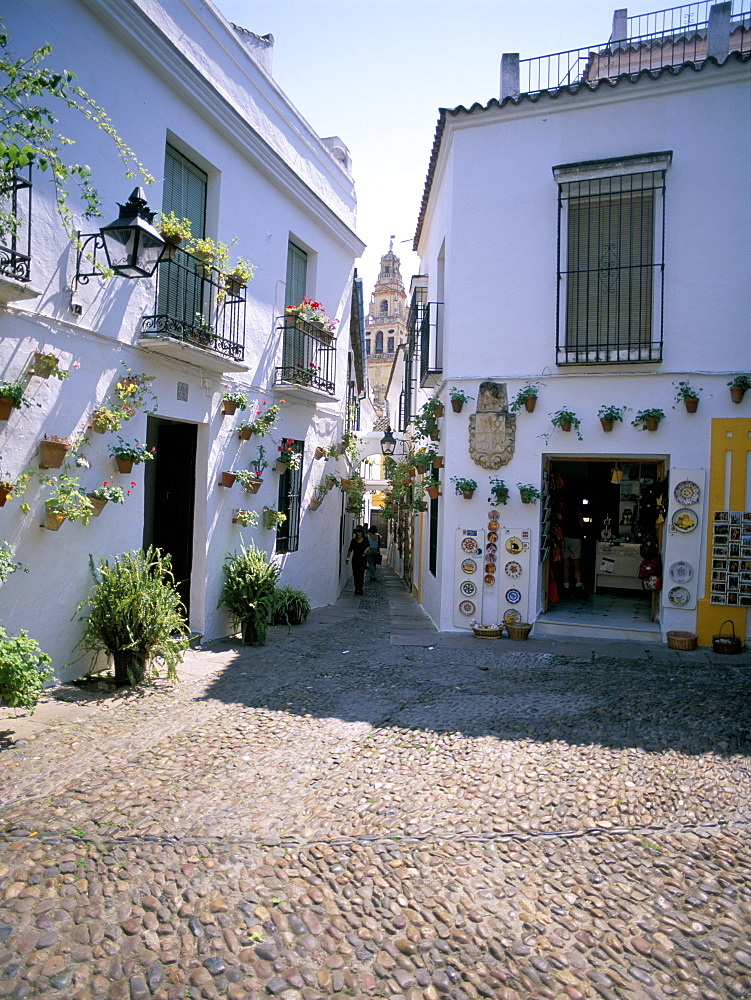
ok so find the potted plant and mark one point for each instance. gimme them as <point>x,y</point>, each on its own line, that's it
<point>249,480</point>
<point>464,487</point>
<point>499,490</point>
<point>320,490</point>
<point>46,365</point>
<point>433,489</point>
<point>273,518</point>
<point>248,592</point>
<point>528,493</point>
<point>319,453</point>
<point>210,253</point>
<point>526,397</point>
<point>304,374</point>
<point>239,275</point>
<point>52,451</point>
<point>288,457</point>
<point>134,614</point>
<point>11,398</point>
<point>258,464</point>
<point>313,313</point>
<point>173,231</point>
<point>458,398</point>
<point>23,670</point>
<point>355,490</point>
<point>105,494</point>
<point>423,459</point>
<point>291,607</point>
<point>566,419</point>
<point>202,332</point>
<point>738,386</point>
<point>227,479</point>
<point>233,399</point>
<point>608,414</point>
<point>647,420</point>
<point>127,455</point>
<point>107,417</point>
<point>434,406</point>
<point>265,420</point>
<point>245,517</point>
<point>132,389</point>
<point>425,423</point>
<point>6,489</point>
<point>67,501</point>
<point>687,394</point>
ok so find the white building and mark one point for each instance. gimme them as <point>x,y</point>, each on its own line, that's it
<point>193,95</point>
<point>590,232</point>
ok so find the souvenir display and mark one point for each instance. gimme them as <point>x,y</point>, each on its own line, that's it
<point>469,545</point>
<point>492,537</point>
<point>514,545</point>
<point>513,596</point>
<point>493,515</point>
<point>490,567</point>
<point>513,570</point>
<point>731,558</point>
<point>493,526</point>
<point>681,572</point>
<point>468,588</point>
<point>687,492</point>
<point>490,579</point>
<point>467,608</point>
<point>679,597</point>
<point>491,549</point>
<point>512,617</point>
<point>685,520</point>
<point>469,566</point>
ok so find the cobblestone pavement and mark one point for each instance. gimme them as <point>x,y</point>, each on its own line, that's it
<point>343,814</point>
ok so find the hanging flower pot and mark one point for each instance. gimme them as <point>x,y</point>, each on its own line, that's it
<point>280,467</point>
<point>53,520</point>
<point>97,505</point>
<point>52,453</point>
<point>736,393</point>
<point>566,425</point>
<point>234,286</point>
<point>252,485</point>
<point>692,403</point>
<point>607,425</point>
<point>6,491</point>
<point>435,436</point>
<point>228,408</point>
<point>468,494</point>
<point>422,506</point>
<point>246,433</point>
<point>651,423</point>
<point>529,403</point>
<point>438,462</point>
<point>344,483</point>
<point>433,492</point>
<point>456,405</point>
<point>313,504</point>
<point>319,453</point>
<point>43,365</point>
<point>6,405</point>
<point>227,479</point>
<point>124,465</point>
<point>438,410</point>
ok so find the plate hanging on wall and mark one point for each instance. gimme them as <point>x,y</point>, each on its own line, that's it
<point>467,608</point>
<point>679,597</point>
<point>513,596</point>
<point>513,569</point>
<point>468,588</point>
<point>512,617</point>
<point>469,545</point>
<point>681,572</point>
<point>687,492</point>
<point>469,566</point>
<point>685,520</point>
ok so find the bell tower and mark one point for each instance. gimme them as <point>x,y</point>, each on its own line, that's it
<point>385,324</point>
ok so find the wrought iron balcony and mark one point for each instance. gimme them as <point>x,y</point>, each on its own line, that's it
<point>197,305</point>
<point>308,357</point>
<point>15,236</point>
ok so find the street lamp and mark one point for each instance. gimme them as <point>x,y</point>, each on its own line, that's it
<point>132,245</point>
<point>388,442</point>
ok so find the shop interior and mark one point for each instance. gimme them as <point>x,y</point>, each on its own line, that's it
<point>621,503</point>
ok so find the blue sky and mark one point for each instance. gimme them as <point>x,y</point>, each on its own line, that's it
<point>375,73</point>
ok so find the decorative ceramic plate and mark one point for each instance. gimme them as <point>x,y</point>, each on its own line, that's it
<point>469,544</point>
<point>685,520</point>
<point>493,525</point>
<point>491,549</point>
<point>513,596</point>
<point>490,567</point>
<point>492,537</point>
<point>468,588</point>
<point>493,515</point>
<point>467,608</point>
<point>489,579</point>
<point>681,572</point>
<point>514,545</point>
<point>513,569</point>
<point>679,597</point>
<point>687,492</point>
<point>469,566</point>
<point>512,617</point>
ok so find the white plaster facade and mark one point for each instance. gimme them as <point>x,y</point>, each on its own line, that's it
<point>176,72</point>
<point>487,239</point>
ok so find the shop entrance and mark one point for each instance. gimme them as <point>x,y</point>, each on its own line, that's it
<point>615,507</point>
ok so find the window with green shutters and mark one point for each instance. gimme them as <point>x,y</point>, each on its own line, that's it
<point>181,294</point>
<point>293,350</point>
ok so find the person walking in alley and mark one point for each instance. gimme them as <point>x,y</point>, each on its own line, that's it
<point>374,554</point>
<point>358,552</point>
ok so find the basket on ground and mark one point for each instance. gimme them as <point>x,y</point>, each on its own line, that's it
<point>726,643</point>
<point>519,631</point>
<point>488,631</point>
<point>682,640</point>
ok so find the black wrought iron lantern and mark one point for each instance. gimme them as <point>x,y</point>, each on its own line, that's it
<point>388,443</point>
<point>132,245</point>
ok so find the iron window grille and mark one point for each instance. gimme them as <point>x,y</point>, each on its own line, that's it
<point>308,356</point>
<point>290,488</point>
<point>611,242</point>
<point>15,234</point>
<point>196,304</point>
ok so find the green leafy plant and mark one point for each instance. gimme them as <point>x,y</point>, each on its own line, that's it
<point>740,382</point>
<point>132,390</point>
<point>68,499</point>
<point>14,391</point>
<point>566,419</point>
<point>46,365</point>
<point>212,253</point>
<point>642,416</point>
<point>247,517</point>
<point>265,419</point>
<point>684,390</point>
<point>236,396</point>
<point>288,455</point>
<point>273,518</point>
<point>134,614</point>
<point>113,494</point>
<point>246,479</point>
<point>528,493</point>
<point>8,564</point>
<point>136,451</point>
<point>425,423</point>
<point>259,463</point>
<point>312,312</point>
<point>529,391</point>
<point>459,395</point>
<point>463,485</point>
<point>23,670</point>
<point>349,445</point>
<point>248,592</point>
<point>172,228</point>
<point>242,271</point>
<point>499,490</point>
<point>610,412</point>
<point>355,492</point>
<point>291,607</point>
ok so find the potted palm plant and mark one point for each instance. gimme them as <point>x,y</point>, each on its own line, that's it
<point>248,592</point>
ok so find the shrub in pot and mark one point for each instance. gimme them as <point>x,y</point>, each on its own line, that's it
<point>291,607</point>
<point>23,670</point>
<point>248,592</point>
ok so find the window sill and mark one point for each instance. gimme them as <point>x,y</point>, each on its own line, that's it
<point>14,291</point>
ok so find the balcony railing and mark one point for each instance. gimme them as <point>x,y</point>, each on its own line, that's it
<point>15,230</point>
<point>308,356</point>
<point>196,304</point>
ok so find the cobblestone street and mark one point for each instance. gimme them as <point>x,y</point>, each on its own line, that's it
<point>368,808</point>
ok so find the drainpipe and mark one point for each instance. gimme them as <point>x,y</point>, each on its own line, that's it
<point>509,74</point>
<point>718,32</point>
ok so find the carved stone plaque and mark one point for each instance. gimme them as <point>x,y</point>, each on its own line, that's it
<point>492,429</point>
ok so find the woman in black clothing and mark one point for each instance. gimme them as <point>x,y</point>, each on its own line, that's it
<point>358,550</point>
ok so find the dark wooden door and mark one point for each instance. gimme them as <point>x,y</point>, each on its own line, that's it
<point>174,495</point>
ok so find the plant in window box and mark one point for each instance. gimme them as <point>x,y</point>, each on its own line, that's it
<point>688,395</point>
<point>46,365</point>
<point>305,374</point>
<point>464,487</point>
<point>273,518</point>
<point>528,493</point>
<point>608,415</point>
<point>173,231</point>
<point>127,455</point>
<point>239,275</point>
<point>458,398</point>
<point>566,419</point>
<point>526,397</point>
<point>738,386</point>
<point>233,399</point>
<point>67,501</point>
<point>289,459</point>
<point>499,490</point>
<point>52,451</point>
<point>12,398</point>
<point>245,518</point>
<point>648,420</point>
<point>312,312</point>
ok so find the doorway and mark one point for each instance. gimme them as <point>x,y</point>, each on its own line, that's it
<point>621,502</point>
<point>170,496</point>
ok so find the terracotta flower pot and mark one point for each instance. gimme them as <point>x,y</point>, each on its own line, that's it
<point>6,405</point>
<point>438,411</point>
<point>235,286</point>
<point>529,403</point>
<point>97,425</point>
<point>736,393</point>
<point>433,492</point>
<point>344,483</point>
<point>435,436</point>
<point>227,479</point>
<point>318,453</point>
<point>692,404</point>
<point>456,405</point>
<point>423,506</point>
<point>43,365</point>
<point>565,426</point>
<point>253,486</point>
<point>53,520</point>
<point>467,494</point>
<point>52,453</point>
<point>228,407</point>
<point>97,505</point>
<point>5,494</point>
<point>607,425</point>
<point>245,434</point>
<point>280,467</point>
<point>651,423</point>
<point>438,462</point>
<point>313,504</point>
<point>124,465</point>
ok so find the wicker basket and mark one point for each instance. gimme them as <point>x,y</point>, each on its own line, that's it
<point>520,631</point>
<point>682,640</point>
<point>722,643</point>
<point>487,633</point>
